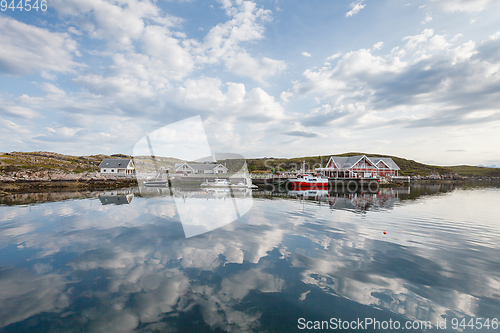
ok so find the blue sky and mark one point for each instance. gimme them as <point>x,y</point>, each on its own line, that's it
<point>417,79</point>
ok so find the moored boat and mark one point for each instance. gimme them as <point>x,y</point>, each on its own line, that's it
<point>308,181</point>
<point>216,183</point>
<point>224,183</point>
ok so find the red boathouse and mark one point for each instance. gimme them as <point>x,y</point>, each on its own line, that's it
<point>360,166</point>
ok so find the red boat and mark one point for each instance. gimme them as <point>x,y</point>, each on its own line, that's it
<point>305,181</point>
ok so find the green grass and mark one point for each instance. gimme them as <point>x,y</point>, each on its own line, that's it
<point>408,167</point>
<point>45,161</point>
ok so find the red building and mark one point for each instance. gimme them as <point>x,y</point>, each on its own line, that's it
<point>360,166</point>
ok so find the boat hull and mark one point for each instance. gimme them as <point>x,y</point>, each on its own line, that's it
<point>296,185</point>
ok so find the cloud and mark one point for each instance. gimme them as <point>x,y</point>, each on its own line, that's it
<point>258,69</point>
<point>27,49</point>
<point>285,95</point>
<point>305,54</point>
<point>336,56</point>
<point>378,46</point>
<point>356,7</point>
<point>463,5</point>
<point>302,134</point>
<point>428,18</point>
<point>223,42</point>
<point>52,89</point>
<point>149,46</point>
<point>118,25</point>
<point>12,109</point>
<point>23,295</point>
<point>438,83</point>
<point>206,95</point>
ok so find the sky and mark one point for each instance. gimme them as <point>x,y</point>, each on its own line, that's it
<point>270,78</point>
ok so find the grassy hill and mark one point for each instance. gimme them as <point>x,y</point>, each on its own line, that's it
<point>408,167</point>
<point>47,161</point>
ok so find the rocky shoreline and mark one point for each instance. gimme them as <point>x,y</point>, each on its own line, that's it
<point>61,181</point>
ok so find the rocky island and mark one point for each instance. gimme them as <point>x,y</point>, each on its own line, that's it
<point>39,171</point>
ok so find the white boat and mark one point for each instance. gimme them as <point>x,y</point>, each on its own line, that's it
<point>309,193</point>
<point>217,183</point>
<point>244,184</point>
<point>224,183</point>
<point>155,183</point>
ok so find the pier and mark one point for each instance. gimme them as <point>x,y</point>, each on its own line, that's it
<point>334,183</point>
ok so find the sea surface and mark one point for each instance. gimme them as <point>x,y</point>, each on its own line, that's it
<point>119,261</point>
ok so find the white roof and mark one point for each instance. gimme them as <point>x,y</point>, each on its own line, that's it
<point>199,166</point>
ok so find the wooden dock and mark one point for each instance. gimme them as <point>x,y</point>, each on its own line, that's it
<point>334,184</point>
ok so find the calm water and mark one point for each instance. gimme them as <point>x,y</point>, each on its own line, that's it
<point>102,262</point>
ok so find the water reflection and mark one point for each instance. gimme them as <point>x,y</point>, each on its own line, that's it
<point>116,197</point>
<point>356,201</point>
<point>120,268</point>
<point>203,209</point>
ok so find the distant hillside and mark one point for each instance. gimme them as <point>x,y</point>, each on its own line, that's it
<point>32,162</point>
<point>408,167</point>
<point>47,161</point>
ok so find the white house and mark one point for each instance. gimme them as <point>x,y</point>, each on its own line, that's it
<point>117,167</point>
<point>200,169</point>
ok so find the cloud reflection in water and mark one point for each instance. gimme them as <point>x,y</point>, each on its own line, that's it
<point>119,268</point>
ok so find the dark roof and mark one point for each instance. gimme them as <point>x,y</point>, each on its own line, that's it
<point>116,199</point>
<point>390,163</point>
<point>116,163</point>
<point>347,162</point>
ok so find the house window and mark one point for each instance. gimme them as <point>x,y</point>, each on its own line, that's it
<point>112,170</point>
<point>103,170</point>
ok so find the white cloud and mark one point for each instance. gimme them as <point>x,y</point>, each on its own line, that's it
<point>439,84</point>
<point>428,18</point>
<point>205,95</point>
<point>48,87</point>
<point>305,54</point>
<point>335,56</point>
<point>48,76</point>
<point>74,31</point>
<point>378,46</point>
<point>463,5</point>
<point>145,35</point>
<point>117,23</point>
<point>223,42</point>
<point>355,8</point>
<point>23,294</point>
<point>285,95</point>
<point>160,46</point>
<point>27,49</point>
<point>258,69</point>
<point>12,109</point>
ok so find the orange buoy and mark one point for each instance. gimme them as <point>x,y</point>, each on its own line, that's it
<point>385,233</point>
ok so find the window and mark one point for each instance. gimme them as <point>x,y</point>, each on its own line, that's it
<point>112,170</point>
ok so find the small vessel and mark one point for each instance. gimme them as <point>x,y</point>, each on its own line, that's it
<point>305,180</point>
<point>309,193</point>
<point>155,183</point>
<point>244,184</point>
<point>308,181</point>
<point>224,183</point>
<point>217,183</point>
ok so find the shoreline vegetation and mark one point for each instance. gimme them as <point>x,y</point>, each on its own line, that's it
<point>47,171</point>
